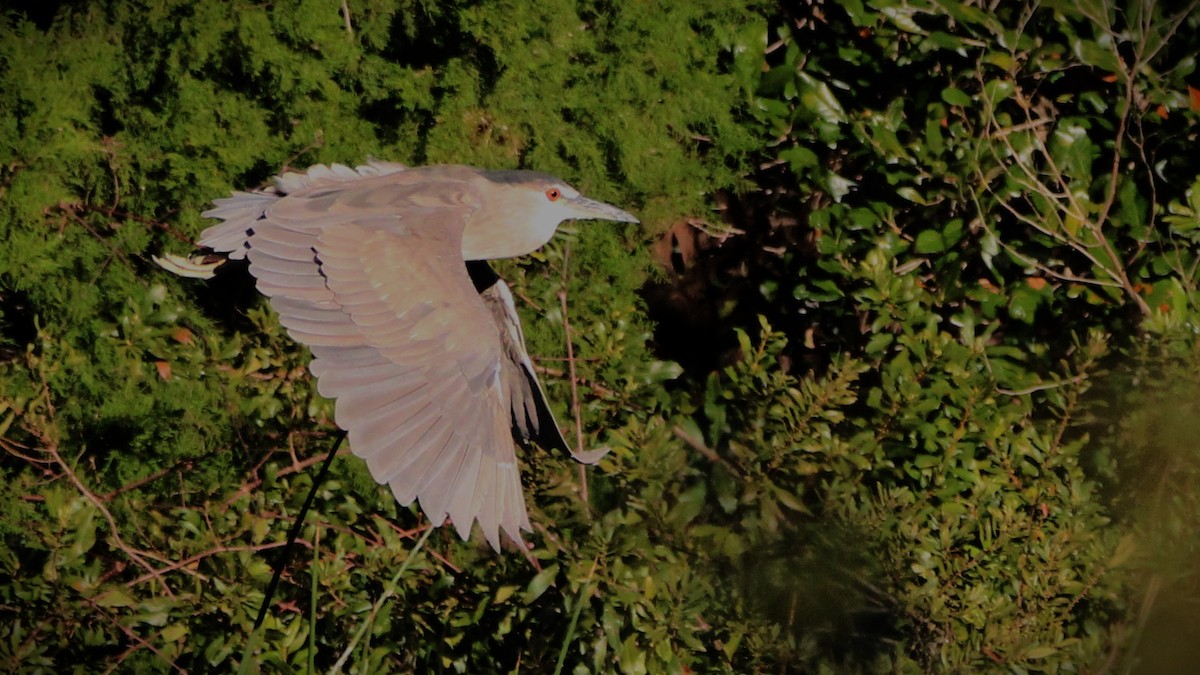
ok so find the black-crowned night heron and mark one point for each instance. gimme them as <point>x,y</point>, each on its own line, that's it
<point>373,268</point>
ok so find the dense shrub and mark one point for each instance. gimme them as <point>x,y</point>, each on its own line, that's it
<point>910,388</point>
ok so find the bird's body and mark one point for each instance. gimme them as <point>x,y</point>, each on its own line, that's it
<point>426,361</point>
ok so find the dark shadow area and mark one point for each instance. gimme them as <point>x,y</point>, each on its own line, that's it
<point>228,296</point>
<point>17,326</point>
<point>42,14</point>
<point>1143,419</point>
<point>819,586</point>
<point>713,284</point>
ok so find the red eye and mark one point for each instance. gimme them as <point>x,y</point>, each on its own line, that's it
<point>553,194</point>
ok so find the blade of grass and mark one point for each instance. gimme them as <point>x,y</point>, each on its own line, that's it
<point>256,637</point>
<point>584,592</point>
<point>387,594</point>
<point>312,604</point>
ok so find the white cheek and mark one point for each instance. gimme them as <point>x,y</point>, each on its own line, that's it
<point>484,241</point>
<point>548,217</point>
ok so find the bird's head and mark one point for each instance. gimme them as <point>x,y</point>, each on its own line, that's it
<point>522,209</point>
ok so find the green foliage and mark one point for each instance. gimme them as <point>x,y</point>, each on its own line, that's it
<point>954,313</point>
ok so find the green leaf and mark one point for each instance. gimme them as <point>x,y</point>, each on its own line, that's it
<point>956,96</point>
<point>503,594</point>
<point>1040,652</point>
<point>689,505</point>
<point>878,343</point>
<point>175,631</point>
<point>747,47</point>
<point>1124,551</point>
<point>818,98</point>
<point>1023,304</point>
<point>800,158</point>
<point>114,597</point>
<point>540,582</point>
<point>996,92</point>
<point>929,241</point>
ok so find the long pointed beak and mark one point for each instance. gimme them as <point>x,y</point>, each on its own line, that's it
<point>590,209</point>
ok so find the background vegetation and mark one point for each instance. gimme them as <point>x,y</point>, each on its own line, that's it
<point>900,372</point>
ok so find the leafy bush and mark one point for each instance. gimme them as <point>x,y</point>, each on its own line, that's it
<point>930,271</point>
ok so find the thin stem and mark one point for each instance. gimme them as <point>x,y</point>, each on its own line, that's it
<point>387,594</point>
<point>583,593</point>
<point>562,298</point>
<point>286,554</point>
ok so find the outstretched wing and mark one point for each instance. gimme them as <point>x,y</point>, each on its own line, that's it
<point>532,419</point>
<point>369,274</point>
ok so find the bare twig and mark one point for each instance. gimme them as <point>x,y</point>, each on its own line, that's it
<point>594,386</point>
<point>108,496</point>
<point>296,467</point>
<point>346,16</point>
<point>216,550</point>
<point>562,298</point>
<point>1042,387</point>
<point>388,592</point>
<point>698,445</point>
<point>412,534</point>
<point>72,212</point>
<point>318,141</point>
<point>11,447</point>
<point>138,557</point>
<point>139,641</point>
<point>1022,170</point>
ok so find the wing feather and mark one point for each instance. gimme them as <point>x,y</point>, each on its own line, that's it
<point>532,419</point>
<point>270,263</point>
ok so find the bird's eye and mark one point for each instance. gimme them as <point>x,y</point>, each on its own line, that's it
<point>553,194</point>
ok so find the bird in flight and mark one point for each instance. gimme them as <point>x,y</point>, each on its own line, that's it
<point>381,271</point>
